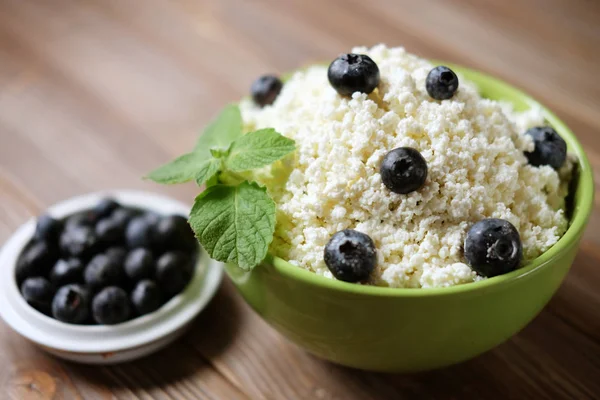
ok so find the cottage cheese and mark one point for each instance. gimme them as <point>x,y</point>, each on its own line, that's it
<point>474,151</point>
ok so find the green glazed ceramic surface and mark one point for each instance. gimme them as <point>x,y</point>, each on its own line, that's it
<point>402,330</point>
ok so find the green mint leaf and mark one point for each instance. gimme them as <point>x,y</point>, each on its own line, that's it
<point>207,170</point>
<point>257,149</point>
<point>182,169</point>
<point>190,166</point>
<point>200,164</point>
<point>214,180</point>
<point>221,131</point>
<point>235,224</point>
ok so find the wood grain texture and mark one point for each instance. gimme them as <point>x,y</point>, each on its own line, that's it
<point>95,93</point>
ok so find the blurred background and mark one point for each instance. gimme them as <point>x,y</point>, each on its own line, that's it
<point>95,93</point>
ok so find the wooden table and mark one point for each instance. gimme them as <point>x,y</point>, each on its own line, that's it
<point>95,93</point>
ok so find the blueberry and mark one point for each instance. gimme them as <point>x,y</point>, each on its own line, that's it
<point>116,254</point>
<point>550,148</point>
<point>111,306</point>
<point>71,304</point>
<point>403,170</point>
<point>109,231</point>
<point>79,241</point>
<point>48,230</point>
<point>38,292</point>
<point>441,83</point>
<point>122,216</point>
<point>174,233</point>
<point>139,264</point>
<point>493,247</point>
<point>103,271</point>
<point>105,207</point>
<point>265,90</point>
<point>351,73</point>
<point>146,297</point>
<point>151,217</point>
<point>350,255</point>
<point>36,260</point>
<point>67,271</point>
<point>174,270</point>
<point>139,232</point>
<point>86,218</point>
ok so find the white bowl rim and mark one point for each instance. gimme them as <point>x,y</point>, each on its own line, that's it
<point>138,332</point>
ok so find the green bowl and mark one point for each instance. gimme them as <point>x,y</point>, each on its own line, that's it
<point>404,330</point>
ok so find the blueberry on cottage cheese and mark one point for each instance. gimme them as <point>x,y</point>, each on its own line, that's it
<point>265,90</point>
<point>47,229</point>
<point>139,264</point>
<point>403,170</point>
<point>441,83</point>
<point>38,292</point>
<point>550,149</point>
<point>350,255</point>
<point>71,304</point>
<point>351,73</point>
<point>146,297</point>
<point>36,260</point>
<point>111,306</point>
<point>493,247</point>
<point>67,271</point>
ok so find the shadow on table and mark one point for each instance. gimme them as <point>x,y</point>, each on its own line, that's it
<point>218,325</point>
<point>556,356</point>
<point>185,358</point>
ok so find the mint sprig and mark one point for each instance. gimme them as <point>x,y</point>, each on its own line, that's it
<point>233,222</point>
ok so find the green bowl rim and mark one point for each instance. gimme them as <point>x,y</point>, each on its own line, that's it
<point>582,211</point>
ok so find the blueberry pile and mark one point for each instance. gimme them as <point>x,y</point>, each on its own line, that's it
<point>106,265</point>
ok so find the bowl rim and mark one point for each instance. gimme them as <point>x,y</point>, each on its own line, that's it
<point>135,333</point>
<point>581,214</point>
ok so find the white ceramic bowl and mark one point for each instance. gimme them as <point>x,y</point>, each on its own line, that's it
<point>103,344</point>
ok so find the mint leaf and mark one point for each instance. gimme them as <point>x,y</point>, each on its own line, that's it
<point>190,166</point>
<point>235,224</point>
<point>257,149</point>
<point>207,170</point>
<point>182,169</point>
<point>221,131</point>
